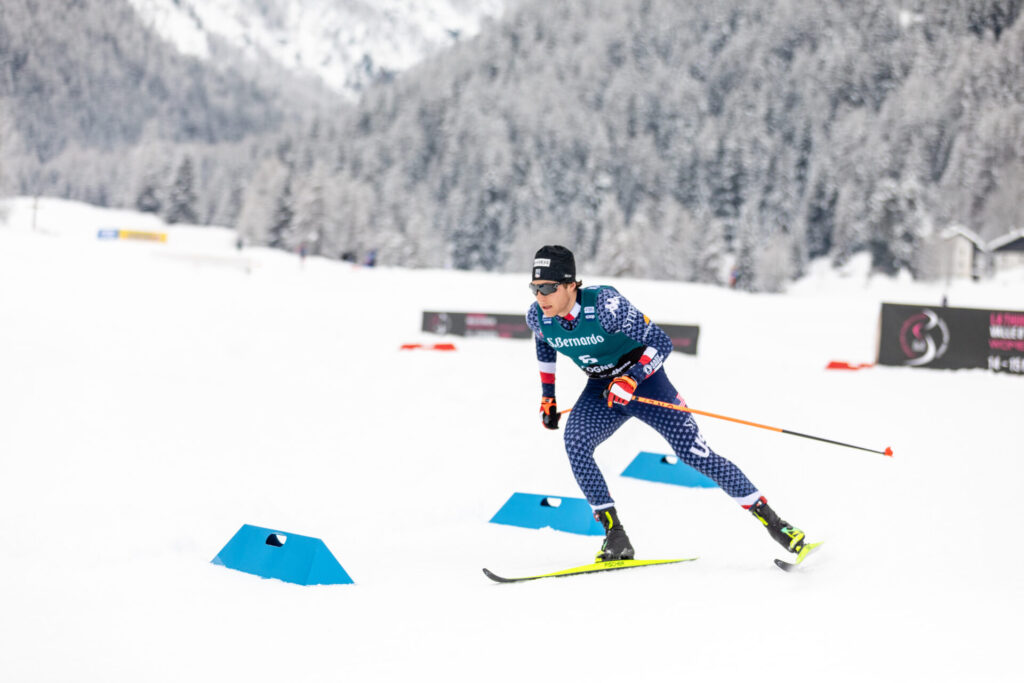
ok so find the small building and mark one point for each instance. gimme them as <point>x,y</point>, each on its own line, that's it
<point>1008,251</point>
<point>960,253</point>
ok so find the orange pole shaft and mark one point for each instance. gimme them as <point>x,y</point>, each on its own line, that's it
<point>684,409</point>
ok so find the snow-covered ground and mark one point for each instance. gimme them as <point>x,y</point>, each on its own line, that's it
<point>154,397</point>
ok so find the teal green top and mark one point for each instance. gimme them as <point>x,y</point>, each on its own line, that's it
<point>589,345</point>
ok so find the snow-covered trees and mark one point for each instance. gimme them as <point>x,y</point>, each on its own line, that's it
<point>656,138</point>
<point>181,201</point>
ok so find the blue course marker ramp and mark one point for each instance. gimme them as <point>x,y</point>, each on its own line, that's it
<point>668,469</point>
<point>275,554</point>
<point>534,511</point>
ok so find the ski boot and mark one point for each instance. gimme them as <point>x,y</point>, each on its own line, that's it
<point>789,537</point>
<point>616,544</point>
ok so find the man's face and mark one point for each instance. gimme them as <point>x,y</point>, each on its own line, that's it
<point>560,301</point>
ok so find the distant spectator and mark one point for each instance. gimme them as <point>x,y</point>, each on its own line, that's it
<point>371,258</point>
<point>349,256</point>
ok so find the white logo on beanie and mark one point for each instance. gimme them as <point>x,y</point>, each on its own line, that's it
<point>537,273</point>
<point>542,262</point>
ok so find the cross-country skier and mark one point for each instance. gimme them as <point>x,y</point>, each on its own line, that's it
<point>622,353</point>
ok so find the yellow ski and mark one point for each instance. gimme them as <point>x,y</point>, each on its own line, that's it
<point>807,550</point>
<point>608,566</point>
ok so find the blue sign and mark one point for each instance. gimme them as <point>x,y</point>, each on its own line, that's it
<point>108,233</point>
<point>668,469</point>
<point>534,511</point>
<point>281,555</point>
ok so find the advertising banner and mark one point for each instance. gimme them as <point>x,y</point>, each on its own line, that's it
<point>115,233</point>
<point>951,338</point>
<point>147,235</point>
<point>513,326</point>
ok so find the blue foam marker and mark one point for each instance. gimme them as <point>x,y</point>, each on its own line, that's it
<point>534,511</point>
<point>667,469</point>
<point>281,555</point>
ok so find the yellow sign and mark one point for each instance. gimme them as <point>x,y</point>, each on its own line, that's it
<point>143,235</point>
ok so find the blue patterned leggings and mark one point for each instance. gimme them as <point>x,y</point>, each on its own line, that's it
<point>592,421</point>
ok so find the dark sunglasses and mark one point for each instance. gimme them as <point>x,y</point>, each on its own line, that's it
<point>545,289</point>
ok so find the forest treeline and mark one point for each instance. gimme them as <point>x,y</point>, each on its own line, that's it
<point>658,138</point>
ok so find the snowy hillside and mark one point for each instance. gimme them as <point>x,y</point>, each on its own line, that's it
<point>157,396</point>
<point>348,44</point>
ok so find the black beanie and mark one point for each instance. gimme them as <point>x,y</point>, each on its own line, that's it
<point>555,263</point>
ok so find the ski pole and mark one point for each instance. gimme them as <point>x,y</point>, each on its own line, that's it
<point>672,406</point>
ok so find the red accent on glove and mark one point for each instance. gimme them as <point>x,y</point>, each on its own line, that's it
<point>549,414</point>
<point>621,390</point>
